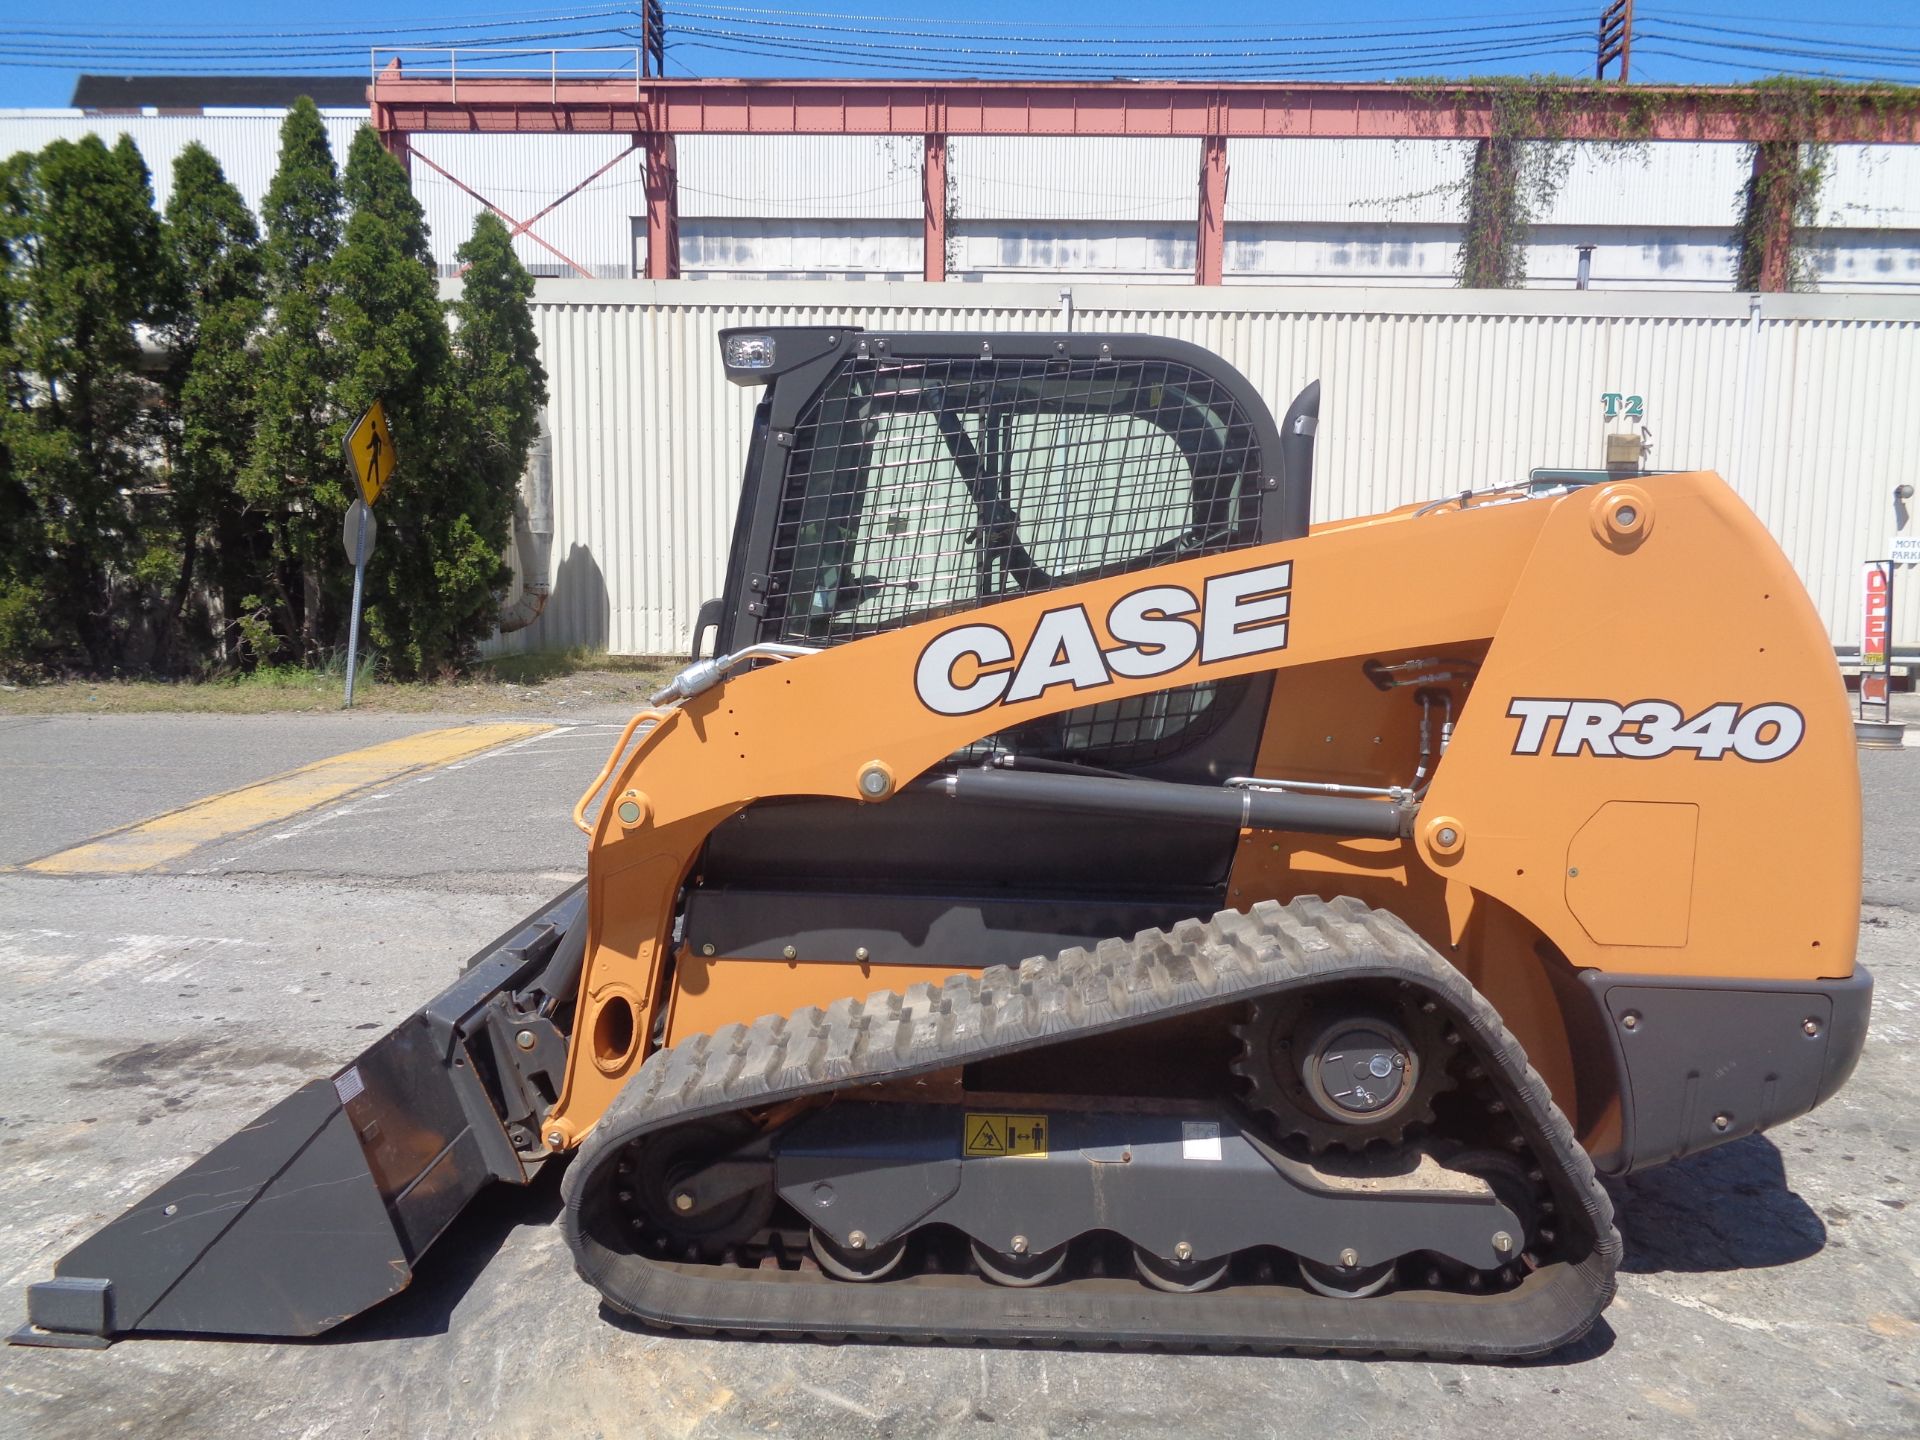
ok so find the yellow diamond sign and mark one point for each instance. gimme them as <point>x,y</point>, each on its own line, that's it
<point>370,453</point>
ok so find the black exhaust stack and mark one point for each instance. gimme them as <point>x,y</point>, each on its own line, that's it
<point>1296,461</point>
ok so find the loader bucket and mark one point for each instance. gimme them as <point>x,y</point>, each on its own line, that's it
<point>322,1206</point>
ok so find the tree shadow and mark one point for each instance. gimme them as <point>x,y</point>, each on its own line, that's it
<point>1728,1208</point>
<point>579,611</point>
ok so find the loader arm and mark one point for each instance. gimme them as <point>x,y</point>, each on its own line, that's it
<point>1711,853</point>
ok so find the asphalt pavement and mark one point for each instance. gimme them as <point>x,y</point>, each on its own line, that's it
<point>1771,1287</point>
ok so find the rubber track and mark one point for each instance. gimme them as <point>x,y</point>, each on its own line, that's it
<point>1197,965</point>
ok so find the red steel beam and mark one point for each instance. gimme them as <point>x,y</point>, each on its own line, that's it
<point>933,209</point>
<point>663,209</point>
<point>1210,256</point>
<point>1442,111</point>
<point>517,227</point>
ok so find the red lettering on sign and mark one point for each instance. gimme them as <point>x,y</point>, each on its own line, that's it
<point>1875,617</point>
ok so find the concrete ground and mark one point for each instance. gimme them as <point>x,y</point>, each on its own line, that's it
<point>1771,1287</point>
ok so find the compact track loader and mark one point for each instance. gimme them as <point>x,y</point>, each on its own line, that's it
<point>1077,901</point>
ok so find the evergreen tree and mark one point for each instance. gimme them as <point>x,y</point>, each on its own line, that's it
<point>24,636</point>
<point>295,473</point>
<point>499,360</point>
<point>432,593</point>
<point>215,274</point>
<point>84,270</point>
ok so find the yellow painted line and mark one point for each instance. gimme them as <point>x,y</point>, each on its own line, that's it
<point>152,843</point>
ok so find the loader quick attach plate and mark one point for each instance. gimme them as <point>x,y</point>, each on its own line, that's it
<point>1194,967</point>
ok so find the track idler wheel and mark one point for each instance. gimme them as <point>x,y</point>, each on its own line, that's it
<point>659,1186</point>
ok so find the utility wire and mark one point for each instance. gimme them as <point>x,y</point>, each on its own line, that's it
<point>1748,14</point>
<point>1089,46</point>
<point>744,11</point>
<point>160,52</point>
<point>835,47</point>
<point>1870,56</point>
<point>827,41</point>
<point>383,27</point>
<point>1838,77</point>
<point>1004,70</point>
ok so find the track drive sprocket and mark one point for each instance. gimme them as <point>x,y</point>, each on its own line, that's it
<point>1283,1037</point>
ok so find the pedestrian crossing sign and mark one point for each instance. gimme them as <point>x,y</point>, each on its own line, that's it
<point>370,453</point>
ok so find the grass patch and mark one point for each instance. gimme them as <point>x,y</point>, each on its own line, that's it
<point>536,681</point>
<point>535,667</point>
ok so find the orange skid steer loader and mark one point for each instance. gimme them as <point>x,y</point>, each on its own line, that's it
<point>1078,901</point>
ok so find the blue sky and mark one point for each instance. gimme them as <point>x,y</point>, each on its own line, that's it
<point>42,49</point>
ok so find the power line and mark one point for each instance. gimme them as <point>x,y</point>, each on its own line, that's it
<point>833,48</point>
<point>1840,77</point>
<point>1001,69</point>
<point>1088,43</point>
<point>819,41</point>
<point>160,52</point>
<point>1033,24</point>
<point>1823,24</point>
<point>1804,51</point>
<point>384,27</point>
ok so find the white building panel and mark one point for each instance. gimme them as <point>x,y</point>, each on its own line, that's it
<point>1669,185</point>
<point>729,249</point>
<point>1803,402</point>
<point>1353,253</point>
<point>245,142</point>
<point>1346,182</point>
<point>1041,177</point>
<point>1872,187</point>
<point>1067,250</point>
<point>1632,257</point>
<point>523,175</point>
<point>1660,216</point>
<point>808,177</point>
<point>1865,260</point>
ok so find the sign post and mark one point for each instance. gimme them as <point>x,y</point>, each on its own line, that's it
<point>371,457</point>
<point>1876,640</point>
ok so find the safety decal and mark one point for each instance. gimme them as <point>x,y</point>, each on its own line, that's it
<point>1649,729</point>
<point>1200,1140</point>
<point>1155,630</point>
<point>997,1135</point>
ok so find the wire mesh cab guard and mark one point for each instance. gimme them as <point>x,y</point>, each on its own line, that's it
<point>900,477</point>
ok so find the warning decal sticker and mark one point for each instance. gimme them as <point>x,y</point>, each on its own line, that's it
<point>986,1135</point>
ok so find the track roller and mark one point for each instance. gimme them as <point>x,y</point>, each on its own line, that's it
<point>1179,1277</point>
<point>1022,1272</point>
<point>857,1265</point>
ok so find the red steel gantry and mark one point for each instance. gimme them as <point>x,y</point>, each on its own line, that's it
<point>654,110</point>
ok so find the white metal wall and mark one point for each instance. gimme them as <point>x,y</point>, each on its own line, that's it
<point>1805,403</point>
<point>523,175</point>
<point>815,177</point>
<point>1082,210</point>
<point>246,143</point>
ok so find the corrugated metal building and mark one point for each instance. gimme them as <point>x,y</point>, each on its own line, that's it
<point>1323,212</point>
<point>1805,403</point>
<point>246,142</point>
<point>1339,263</point>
